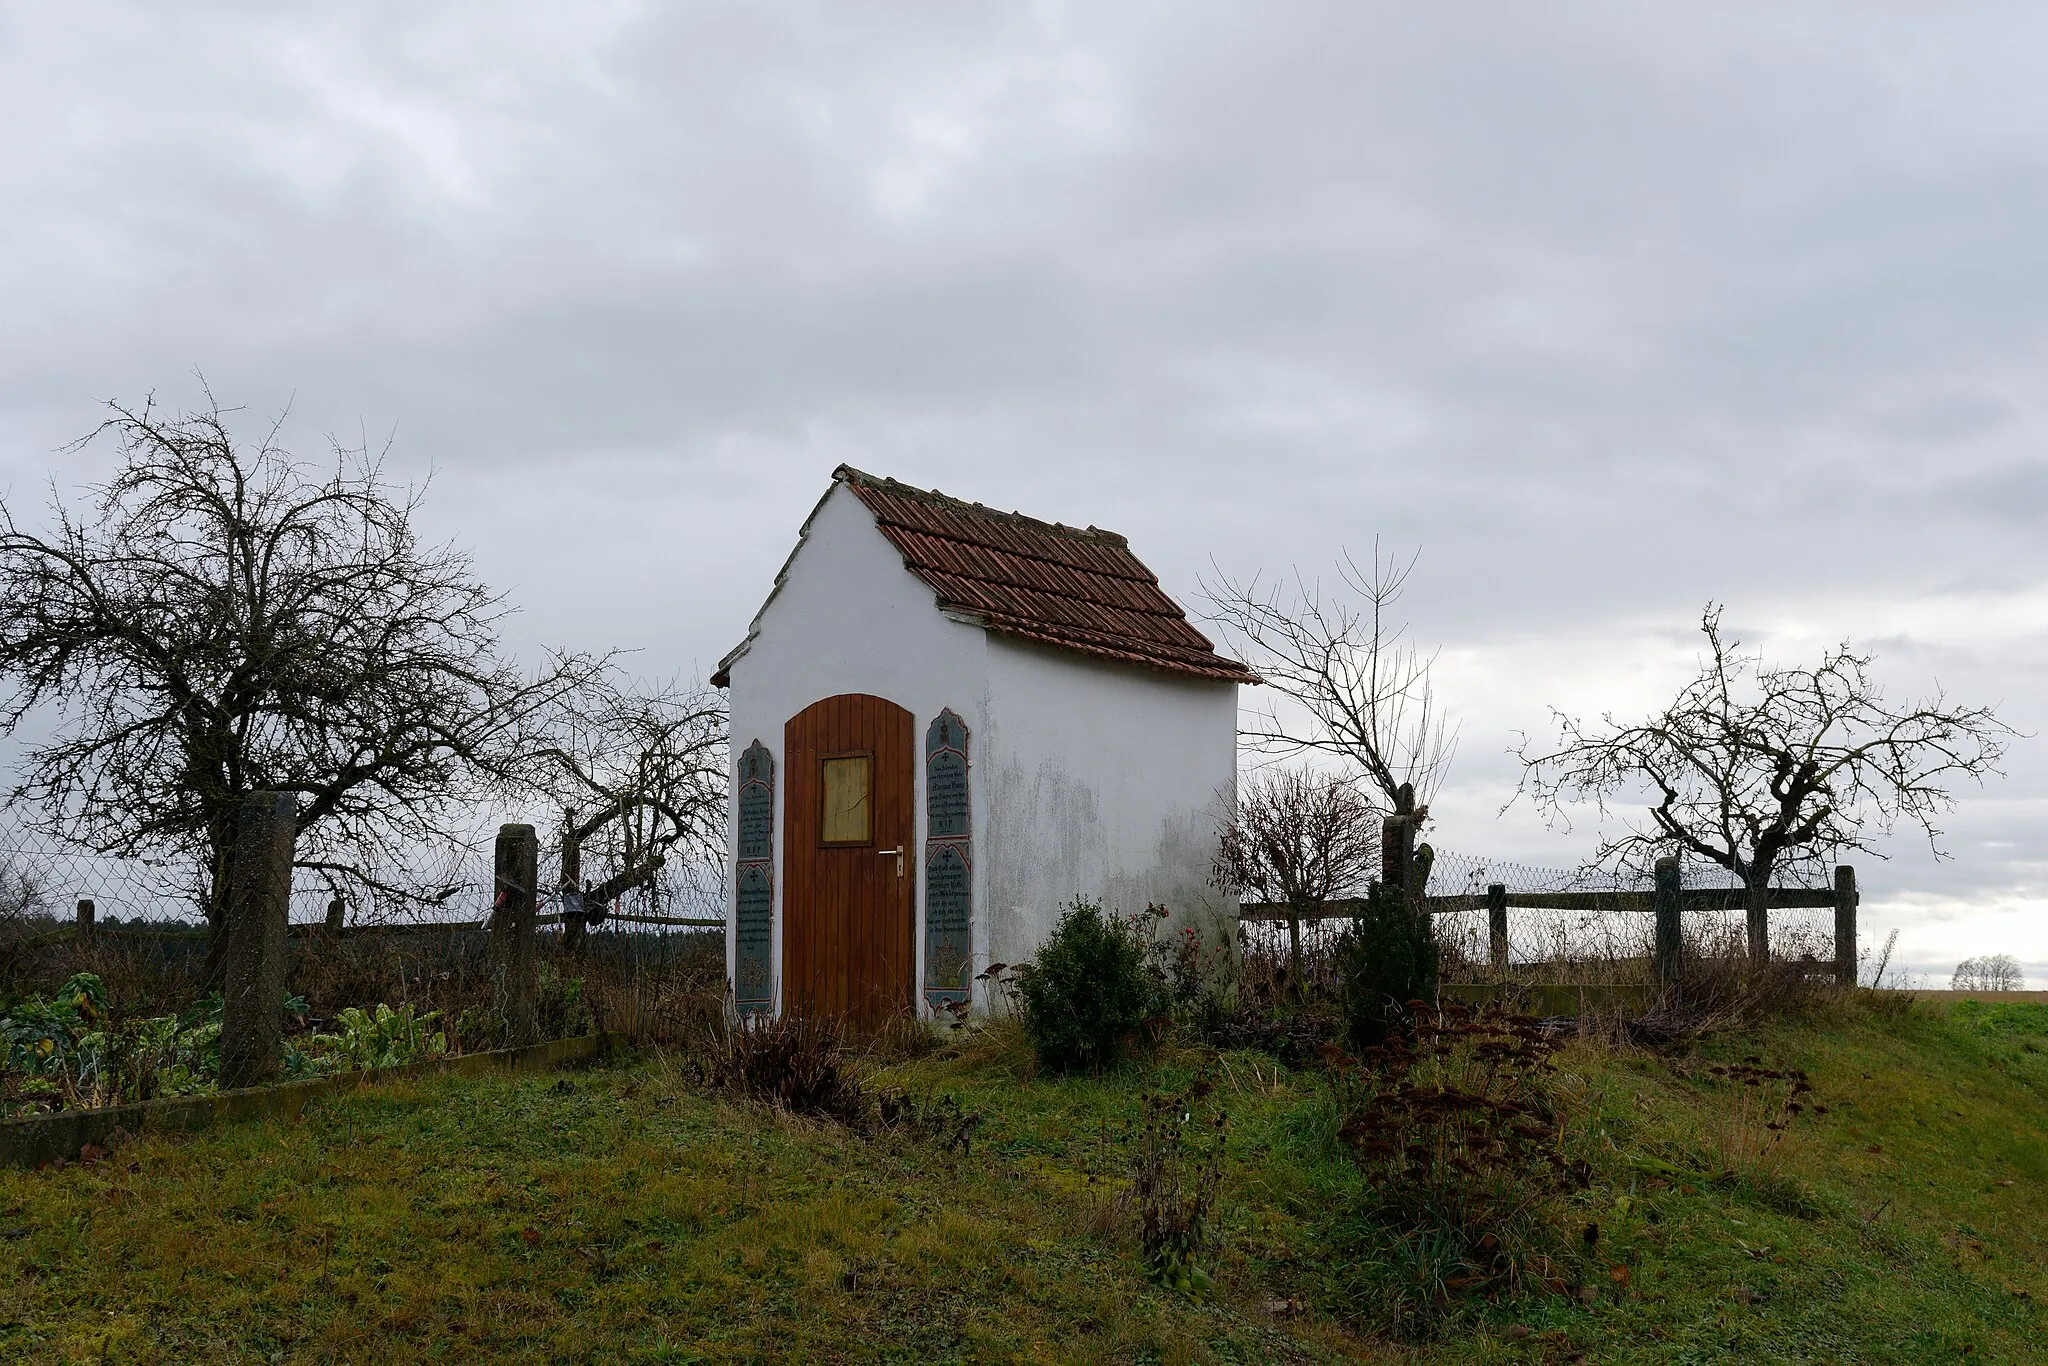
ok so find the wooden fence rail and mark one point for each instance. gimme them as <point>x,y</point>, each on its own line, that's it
<point>1667,903</point>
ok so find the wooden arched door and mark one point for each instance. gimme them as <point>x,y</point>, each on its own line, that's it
<point>848,859</point>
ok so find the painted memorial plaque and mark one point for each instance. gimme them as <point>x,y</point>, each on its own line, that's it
<point>757,804</point>
<point>945,779</point>
<point>948,887</point>
<point>948,864</point>
<point>753,986</point>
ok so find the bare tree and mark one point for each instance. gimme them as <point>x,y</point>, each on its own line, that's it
<point>1993,972</point>
<point>1362,689</point>
<point>220,619</point>
<point>1302,839</point>
<point>1767,770</point>
<point>640,775</point>
<point>23,896</point>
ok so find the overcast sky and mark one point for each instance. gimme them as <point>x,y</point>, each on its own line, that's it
<point>1607,310</point>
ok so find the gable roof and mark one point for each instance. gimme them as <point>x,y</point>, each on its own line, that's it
<point>1073,588</point>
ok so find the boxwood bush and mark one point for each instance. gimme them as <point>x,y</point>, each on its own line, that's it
<point>1086,994</point>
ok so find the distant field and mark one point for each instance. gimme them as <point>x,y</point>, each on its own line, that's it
<point>1988,996</point>
<point>617,1215</point>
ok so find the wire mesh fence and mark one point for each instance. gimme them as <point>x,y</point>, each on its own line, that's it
<point>43,879</point>
<point>417,938</point>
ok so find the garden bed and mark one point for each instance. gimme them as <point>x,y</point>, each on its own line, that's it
<point>63,1135</point>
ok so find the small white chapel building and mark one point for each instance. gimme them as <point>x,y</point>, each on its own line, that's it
<point>948,722</point>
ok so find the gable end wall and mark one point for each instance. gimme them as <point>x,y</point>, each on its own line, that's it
<point>849,618</point>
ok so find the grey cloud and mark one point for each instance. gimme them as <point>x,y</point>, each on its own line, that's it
<point>1612,309</point>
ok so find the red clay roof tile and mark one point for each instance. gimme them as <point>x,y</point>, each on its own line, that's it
<point>1077,589</point>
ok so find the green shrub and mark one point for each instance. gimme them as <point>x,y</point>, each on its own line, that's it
<point>1087,993</point>
<point>67,1052</point>
<point>1386,958</point>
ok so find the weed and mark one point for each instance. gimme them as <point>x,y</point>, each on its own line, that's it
<point>1176,1174</point>
<point>1292,1032</point>
<point>1286,1015</point>
<point>794,1062</point>
<point>901,1037</point>
<point>1189,979</point>
<point>65,1052</point>
<point>559,1007</point>
<point>480,1028</point>
<point>944,1122</point>
<point>1755,1109</point>
<point>999,1045</point>
<point>1719,987</point>
<point>1460,1141</point>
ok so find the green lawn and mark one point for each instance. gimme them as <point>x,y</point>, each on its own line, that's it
<point>617,1215</point>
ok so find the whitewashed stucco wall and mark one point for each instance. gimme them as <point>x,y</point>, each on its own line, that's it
<point>850,618</point>
<point>1085,778</point>
<point>1103,781</point>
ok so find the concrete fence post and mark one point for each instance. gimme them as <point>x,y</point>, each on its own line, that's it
<point>1667,943</point>
<point>258,920</point>
<point>516,870</point>
<point>1846,899</point>
<point>1497,927</point>
<point>331,926</point>
<point>86,915</point>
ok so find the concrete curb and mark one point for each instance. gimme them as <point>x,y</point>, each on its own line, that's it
<point>62,1135</point>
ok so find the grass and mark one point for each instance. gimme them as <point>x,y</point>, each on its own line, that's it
<point>616,1214</point>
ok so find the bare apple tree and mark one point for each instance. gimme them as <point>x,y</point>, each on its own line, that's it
<point>640,775</point>
<point>1300,838</point>
<point>221,618</point>
<point>1766,770</point>
<point>1351,684</point>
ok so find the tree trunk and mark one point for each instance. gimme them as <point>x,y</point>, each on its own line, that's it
<point>1756,903</point>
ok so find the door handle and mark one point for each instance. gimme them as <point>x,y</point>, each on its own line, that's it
<point>884,853</point>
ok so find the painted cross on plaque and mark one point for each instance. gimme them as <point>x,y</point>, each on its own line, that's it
<point>948,864</point>
<point>753,974</point>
